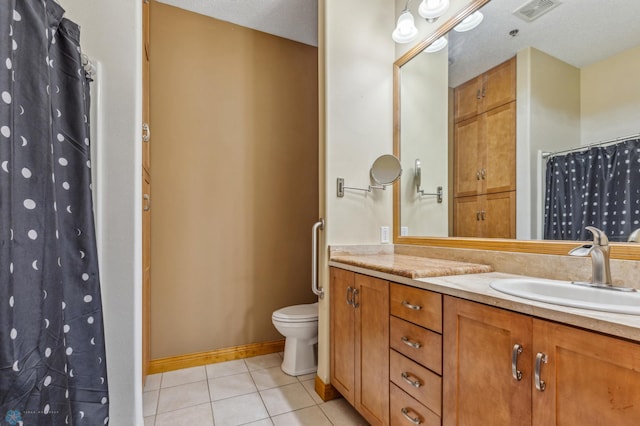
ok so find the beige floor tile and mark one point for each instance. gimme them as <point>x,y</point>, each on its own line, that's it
<point>341,413</point>
<point>182,396</point>
<point>150,421</point>
<point>184,376</point>
<point>239,410</point>
<point>150,403</point>
<point>311,416</point>
<point>271,378</point>
<point>152,382</point>
<point>227,368</point>
<point>263,361</point>
<point>230,386</point>
<point>310,386</point>
<point>199,415</point>
<point>285,399</point>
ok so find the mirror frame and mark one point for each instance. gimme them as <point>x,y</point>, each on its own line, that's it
<point>624,251</point>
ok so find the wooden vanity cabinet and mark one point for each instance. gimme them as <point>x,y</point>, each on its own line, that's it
<point>415,356</point>
<point>589,378</point>
<point>359,342</point>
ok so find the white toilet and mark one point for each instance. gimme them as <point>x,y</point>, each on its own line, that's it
<point>299,324</point>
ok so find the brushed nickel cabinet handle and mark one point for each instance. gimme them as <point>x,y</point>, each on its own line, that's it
<point>354,299</point>
<point>540,359</point>
<point>410,306</point>
<point>517,350</point>
<point>147,202</point>
<point>350,296</point>
<point>406,341</point>
<point>415,383</point>
<point>415,420</point>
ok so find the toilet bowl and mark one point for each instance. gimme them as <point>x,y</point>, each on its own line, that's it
<point>299,325</point>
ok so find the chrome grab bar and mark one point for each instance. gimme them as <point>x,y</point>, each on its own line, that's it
<point>314,258</point>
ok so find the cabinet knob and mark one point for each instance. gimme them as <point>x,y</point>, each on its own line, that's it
<point>517,350</point>
<point>540,359</point>
<point>415,420</point>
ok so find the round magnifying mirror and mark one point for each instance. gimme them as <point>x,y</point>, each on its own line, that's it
<point>386,169</point>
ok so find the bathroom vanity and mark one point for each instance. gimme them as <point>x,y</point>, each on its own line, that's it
<point>411,348</point>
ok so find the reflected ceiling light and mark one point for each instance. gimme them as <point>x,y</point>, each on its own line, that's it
<point>405,31</point>
<point>437,45</point>
<point>433,9</point>
<point>470,22</point>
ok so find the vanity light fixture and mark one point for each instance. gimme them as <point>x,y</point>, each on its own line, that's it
<point>433,9</point>
<point>405,31</point>
<point>470,22</point>
<point>437,45</point>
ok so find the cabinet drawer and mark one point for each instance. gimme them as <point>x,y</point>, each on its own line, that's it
<point>405,336</point>
<point>404,408</point>
<point>428,386</point>
<point>418,306</point>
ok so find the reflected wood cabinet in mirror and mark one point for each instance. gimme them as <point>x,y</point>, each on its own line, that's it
<point>485,154</point>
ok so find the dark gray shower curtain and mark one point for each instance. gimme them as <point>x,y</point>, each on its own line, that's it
<point>599,187</point>
<point>52,355</point>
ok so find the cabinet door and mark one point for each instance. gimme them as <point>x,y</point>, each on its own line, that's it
<point>590,379</point>
<point>499,85</point>
<point>372,349</point>
<point>466,217</point>
<point>342,334</point>
<point>498,215</point>
<point>499,150</point>
<point>468,137</point>
<point>479,388</point>
<point>467,98</point>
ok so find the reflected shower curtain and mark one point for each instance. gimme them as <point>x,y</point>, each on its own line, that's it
<point>599,187</point>
<point>52,355</point>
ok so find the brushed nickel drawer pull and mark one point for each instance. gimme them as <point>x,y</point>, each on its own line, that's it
<point>406,341</point>
<point>517,350</point>
<point>415,420</point>
<point>415,383</point>
<point>410,306</point>
<point>540,384</point>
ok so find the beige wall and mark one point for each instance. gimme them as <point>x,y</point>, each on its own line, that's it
<point>611,97</point>
<point>548,108</point>
<point>234,159</point>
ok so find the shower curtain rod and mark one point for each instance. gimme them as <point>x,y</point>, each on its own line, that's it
<point>591,145</point>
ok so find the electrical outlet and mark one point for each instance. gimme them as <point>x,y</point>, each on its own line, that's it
<point>384,234</point>
<point>404,231</point>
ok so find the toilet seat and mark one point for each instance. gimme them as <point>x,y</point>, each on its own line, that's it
<point>297,313</point>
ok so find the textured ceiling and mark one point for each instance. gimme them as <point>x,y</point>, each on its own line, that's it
<point>293,19</point>
<point>579,32</point>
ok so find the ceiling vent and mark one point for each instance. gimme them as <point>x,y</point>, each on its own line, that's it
<point>534,9</point>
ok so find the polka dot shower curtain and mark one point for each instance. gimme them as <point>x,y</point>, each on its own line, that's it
<point>599,187</point>
<point>52,361</point>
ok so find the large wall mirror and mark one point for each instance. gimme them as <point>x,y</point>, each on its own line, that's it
<point>571,83</point>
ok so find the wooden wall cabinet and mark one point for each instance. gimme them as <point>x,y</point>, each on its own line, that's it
<point>486,216</point>
<point>359,342</point>
<point>487,91</point>
<point>584,377</point>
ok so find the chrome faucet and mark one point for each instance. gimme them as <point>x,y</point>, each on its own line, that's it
<point>599,251</point>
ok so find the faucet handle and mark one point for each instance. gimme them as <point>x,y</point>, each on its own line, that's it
<point>599,237</point>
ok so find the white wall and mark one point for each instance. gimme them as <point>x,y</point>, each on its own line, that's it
<point>111,34</point>
<point>611,97</point>
<point>424,134</point>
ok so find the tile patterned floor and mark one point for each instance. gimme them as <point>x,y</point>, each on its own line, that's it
<point>251,391</point>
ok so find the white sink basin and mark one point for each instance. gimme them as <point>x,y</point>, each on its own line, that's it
<point>567,294</point>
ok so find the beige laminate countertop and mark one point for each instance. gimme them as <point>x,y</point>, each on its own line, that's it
<point>475,287</point>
